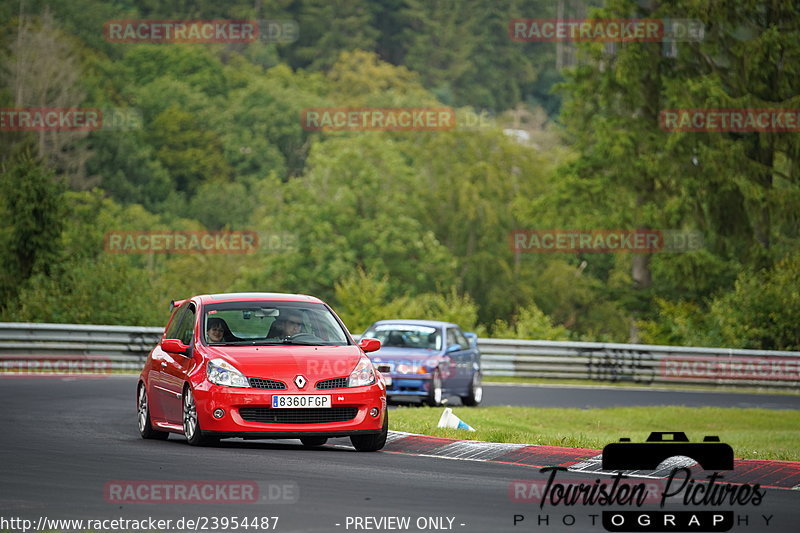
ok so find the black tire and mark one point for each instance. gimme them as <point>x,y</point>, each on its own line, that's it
<point>191,426</point>
<point>434,398</point>
<point>475,393</point>
<point>313,442</point>
<point>372,443</point>
<point>143,411</point>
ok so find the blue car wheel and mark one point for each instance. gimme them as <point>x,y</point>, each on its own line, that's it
<point>475,392</point>
<point>434,398</point>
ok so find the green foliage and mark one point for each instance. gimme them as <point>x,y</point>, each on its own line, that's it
<point>762,310</point>
<point>329,27</point>
<point>356,206</point>
<point>413,224</point>
<point>575,298</point>
<point>363,298</point>
<point>758,314</point>
<point>679,323</point>
<point>31,202</point>
<point>129,169</point>
<point>104,290</point>
<point>190,153</point>
<point>530,323</point>
<point>360,78</point>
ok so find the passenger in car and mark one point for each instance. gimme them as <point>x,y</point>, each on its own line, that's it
<point>218,331</point>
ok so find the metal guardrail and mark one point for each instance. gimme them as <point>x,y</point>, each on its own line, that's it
<point>640,363</point>
<point>46,346</point>
<point>69,348</point>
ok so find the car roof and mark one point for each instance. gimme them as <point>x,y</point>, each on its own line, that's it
<point>432,323</point>
<point>251,296</point>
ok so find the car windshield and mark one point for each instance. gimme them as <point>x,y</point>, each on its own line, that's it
<point>271,323</point>
<point>406,336</point>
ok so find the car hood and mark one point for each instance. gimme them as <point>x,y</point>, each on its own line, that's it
<point>284,362</point>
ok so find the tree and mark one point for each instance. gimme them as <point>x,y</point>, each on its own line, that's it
<point>329,27</point>
<point>471,181</point>
<point>363,298</point>
<point>761,311</point>
<point>45,70</point>
<point>190,153</point>
<point>530,323</point>
<point>31,202</point>
<point>750,58</point>
<point>356,206</point>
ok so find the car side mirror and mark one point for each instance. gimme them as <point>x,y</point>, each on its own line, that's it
<point>174,346</point>
<point>369,345</point>
<point>472,338</point>
<point>453,348</point>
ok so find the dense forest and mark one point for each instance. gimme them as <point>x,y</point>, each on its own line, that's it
<point>409,223</point>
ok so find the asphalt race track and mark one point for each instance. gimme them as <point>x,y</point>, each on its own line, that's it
<point>67,444</point>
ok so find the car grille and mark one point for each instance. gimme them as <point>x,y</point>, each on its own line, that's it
<point>317,415</point>
<point>261,383</point>
<point>335,383</point>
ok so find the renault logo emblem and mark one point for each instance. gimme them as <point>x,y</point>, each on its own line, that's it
<point>300,381</point>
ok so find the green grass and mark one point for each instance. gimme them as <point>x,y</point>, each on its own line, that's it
<point>753,433</point>
<point>488,380</point>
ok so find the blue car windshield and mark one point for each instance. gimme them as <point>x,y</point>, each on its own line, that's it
<point>406,336</point>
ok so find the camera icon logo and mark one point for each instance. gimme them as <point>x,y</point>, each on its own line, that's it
<point>711,454</point>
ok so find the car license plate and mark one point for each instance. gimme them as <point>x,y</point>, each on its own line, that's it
<point>387,380</point>
<point>287,401</point>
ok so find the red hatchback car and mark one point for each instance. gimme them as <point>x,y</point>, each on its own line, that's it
<point>261,366</point>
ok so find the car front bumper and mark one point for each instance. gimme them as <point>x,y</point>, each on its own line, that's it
<point>296,422</point>
<point>403,385</point>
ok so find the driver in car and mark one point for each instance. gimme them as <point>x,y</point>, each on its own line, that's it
<point>286,325</point>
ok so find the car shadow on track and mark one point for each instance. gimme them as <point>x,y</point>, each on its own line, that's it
<point>265,444</point>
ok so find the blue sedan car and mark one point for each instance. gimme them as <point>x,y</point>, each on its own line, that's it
<point>428,360</point>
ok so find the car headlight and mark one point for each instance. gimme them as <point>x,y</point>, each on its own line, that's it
<point>429,366</point>
<point>362,374</point>
<point>223,373</point>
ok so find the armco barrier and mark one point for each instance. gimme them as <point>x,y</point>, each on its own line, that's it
<point>125,348</point>
<point>640,363</point>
